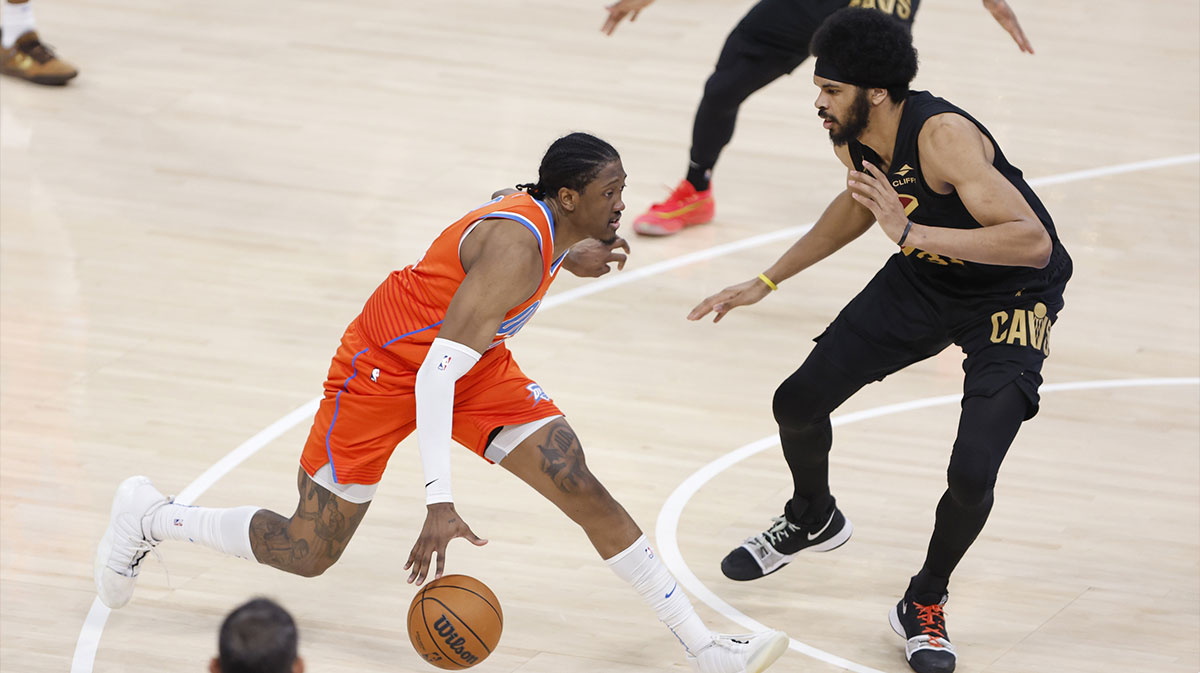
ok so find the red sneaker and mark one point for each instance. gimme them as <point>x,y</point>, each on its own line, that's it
<point>685,207</point>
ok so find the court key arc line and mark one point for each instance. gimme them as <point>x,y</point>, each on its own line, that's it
<point>97,616</point>
<point>667,524</point>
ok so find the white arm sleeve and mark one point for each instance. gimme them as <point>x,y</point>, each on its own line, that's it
<point>446,362</point>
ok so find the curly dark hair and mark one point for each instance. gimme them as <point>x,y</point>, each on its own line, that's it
<point>572,161</point>
<point>869,48</point>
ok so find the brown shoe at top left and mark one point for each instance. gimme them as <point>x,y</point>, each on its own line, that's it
<point>29,59</point>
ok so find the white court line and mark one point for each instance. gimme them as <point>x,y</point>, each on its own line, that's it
<point>668,517</point>
<point>93,625</point>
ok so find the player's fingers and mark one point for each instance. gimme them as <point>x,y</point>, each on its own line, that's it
<point>614,17</point>
<point>876,172</point>
<point>618,258</point>
<point>1019,36</point>
<point>441,563</point>
<point>633,17</point>
<point>702,309</point>
<point>621,243</point>
<point>474,539</point>
<point>417,569</point>
<point>861,190</point>
<point>868,202</point>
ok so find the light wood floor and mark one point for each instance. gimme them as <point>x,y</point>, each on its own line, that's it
<point>186,229</point>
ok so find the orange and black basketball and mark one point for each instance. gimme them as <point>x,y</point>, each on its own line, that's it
<point>455,622</point>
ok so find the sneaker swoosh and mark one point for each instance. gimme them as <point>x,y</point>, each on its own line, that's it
<point>680,211</point>
<point>813,536</point>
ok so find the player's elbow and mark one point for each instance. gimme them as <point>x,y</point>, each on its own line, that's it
<point>1041,249</point>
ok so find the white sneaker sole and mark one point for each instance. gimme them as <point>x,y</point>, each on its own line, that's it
<point>115,589</point>
<point>773,648</point>
<point>894,620</point>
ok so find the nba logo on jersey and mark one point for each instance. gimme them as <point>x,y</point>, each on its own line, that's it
<point>375,374</point>
<point>536,393</point>
<point>444,363</point>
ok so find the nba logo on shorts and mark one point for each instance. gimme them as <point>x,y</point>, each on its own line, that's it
<point>536,393</point>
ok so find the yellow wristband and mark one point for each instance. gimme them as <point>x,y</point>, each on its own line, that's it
<point>763,278</point>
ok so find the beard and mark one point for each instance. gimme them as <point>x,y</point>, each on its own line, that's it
<point>857,118</point>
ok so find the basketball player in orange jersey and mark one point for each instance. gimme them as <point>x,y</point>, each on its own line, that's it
<point>428,353</point>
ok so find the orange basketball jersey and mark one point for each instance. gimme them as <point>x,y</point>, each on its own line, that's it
<point>405,313</point>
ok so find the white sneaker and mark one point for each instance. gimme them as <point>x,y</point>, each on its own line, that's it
<point>750,653</point>
<point>127,540</point>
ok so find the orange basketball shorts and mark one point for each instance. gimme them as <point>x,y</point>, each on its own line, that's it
<point>369,407</point>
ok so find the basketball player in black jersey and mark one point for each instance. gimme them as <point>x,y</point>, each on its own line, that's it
<point>979,266</point>
<point>768,43</point>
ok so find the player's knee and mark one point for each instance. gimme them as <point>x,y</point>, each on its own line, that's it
<point>796,404</point>
<point>723,93</point>
<point>316,565</point>
<point>969,485</point>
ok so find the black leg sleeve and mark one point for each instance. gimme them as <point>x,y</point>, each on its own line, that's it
<point>743,68</point>
<point>802,406</point>
<point>986,429</point>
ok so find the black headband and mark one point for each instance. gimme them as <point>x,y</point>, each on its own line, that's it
<point>826,69</point>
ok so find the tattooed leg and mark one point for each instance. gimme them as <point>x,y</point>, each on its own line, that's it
<point>314,538</point>
<point>551,461</point>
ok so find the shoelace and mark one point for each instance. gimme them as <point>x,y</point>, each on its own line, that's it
<point>675,193</point>
<point>42,53</point>
<point>933,621</point>
<point>780,529</point>
<point>142,548</point>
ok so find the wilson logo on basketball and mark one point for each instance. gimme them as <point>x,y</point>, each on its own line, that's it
<point>455,642</point>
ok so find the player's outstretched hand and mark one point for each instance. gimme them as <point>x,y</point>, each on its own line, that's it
<point>590,258</point>
<point>742,294</point>
<point>1004,16</point>
<point>621,9</point>
<point>442,524</point>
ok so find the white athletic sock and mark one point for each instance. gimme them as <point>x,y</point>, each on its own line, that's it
<point>640,566</point>
<point>226,530</point>
<point>15,21</point>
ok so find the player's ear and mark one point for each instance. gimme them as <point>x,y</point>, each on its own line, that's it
<point>569,198</point>
<point>877,95</point>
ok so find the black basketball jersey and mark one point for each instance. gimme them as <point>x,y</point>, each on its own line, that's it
<point>927,207</point>
<point>788,25</point>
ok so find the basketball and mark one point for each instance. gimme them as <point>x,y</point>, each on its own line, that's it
<point>455,622</point>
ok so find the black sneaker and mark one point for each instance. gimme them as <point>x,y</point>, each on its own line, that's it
<point>928,649</point>
<point>774,548</point>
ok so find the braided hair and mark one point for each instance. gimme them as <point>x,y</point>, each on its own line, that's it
<point>572,161</point>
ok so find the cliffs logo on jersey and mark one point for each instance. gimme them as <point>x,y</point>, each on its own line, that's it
<point>537,394</point>
<point>1023,327</point>
<point>905,178</point>
<point>901,8</point>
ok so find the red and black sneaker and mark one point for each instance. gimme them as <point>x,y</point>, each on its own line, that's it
<point>928,649</point>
